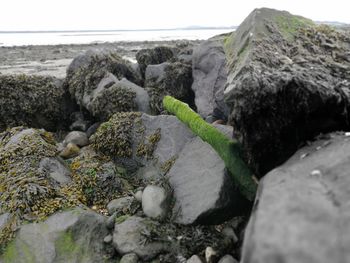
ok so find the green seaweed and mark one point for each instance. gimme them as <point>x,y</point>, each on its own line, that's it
<point>228,149</point>
<point>290,25</point>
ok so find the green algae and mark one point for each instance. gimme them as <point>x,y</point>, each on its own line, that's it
<point>228,149</point>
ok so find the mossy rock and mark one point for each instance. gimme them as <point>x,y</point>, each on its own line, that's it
<point>34,101</point>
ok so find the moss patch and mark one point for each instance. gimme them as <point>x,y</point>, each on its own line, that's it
<point>289,25</point>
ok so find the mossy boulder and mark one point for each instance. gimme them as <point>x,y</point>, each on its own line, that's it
<point>153,56</point>
<point>94,80</point>
<point>174,79</point>
<point>288,81</point>
<point>71,236</point>
<point>34,101</point>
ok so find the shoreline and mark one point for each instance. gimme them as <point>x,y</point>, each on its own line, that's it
<point>53,60</point>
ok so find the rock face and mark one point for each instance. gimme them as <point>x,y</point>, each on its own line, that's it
<point>203,190</point>
<point>95,80</point>
<point>153,56</point>
<point>71,236</point>
<point>173,79</point>
<point>209,79</point>
<point>288,81</point>
<point>34,101</point>
<point>301,212</point>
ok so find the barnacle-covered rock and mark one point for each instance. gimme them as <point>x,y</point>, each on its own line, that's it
<point>34,101</point>
<point>173,79</point>
<point>93,80</point>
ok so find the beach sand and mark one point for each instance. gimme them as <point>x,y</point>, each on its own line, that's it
<point>53,59</point>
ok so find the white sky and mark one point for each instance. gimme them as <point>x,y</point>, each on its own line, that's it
<point>141,14</point>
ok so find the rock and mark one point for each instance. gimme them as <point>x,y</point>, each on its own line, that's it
<point>284,86</point>
<point>111,220</point>
<point>173,79</point>
<point>155,202</point>
<point>4,220</point>
<point>108,239</point>
<point>93,78</point>
<point>34,101</point>
<point>194,259</point>
<point>203,190</point>
<point>92,129</point>
<point>56,169</point>
<point>209,79</point>
<point>70,151</point>
<point>138,195</point>
<point>301,215</point>
<point>227,259</point>
<point>79,123</point>
<point>76,137</point>
<point>136,139</point>
<point>153,56</point>
<point>129,258</point>
<point>68,236</point>
<point>128,238</point>
<point>119,205</point>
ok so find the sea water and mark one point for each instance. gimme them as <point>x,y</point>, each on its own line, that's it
<point>87,37</point>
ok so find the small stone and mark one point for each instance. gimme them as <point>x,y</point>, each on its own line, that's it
<point>129,258</point>
<point>210,254</point>
<point>77,137</point>
<point>154,201</point>
<point>92,129</point>
<point>347,134</point>
<point>303,155</point>
<point>108,239</point>
<point>227,259</point>
<point>79,125</point>
<point>70,151</point>
<point>194,259</point>
<point>316,173</point>
<point>120,204</point>
<point>138,195</point>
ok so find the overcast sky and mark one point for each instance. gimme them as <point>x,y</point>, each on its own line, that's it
<point>141,14</point>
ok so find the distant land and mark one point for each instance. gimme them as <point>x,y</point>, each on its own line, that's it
<point>119,30</point>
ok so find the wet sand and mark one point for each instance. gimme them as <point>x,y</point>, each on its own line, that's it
<point>53,59</point>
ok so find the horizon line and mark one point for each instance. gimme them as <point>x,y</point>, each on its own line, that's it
<point>118,30</point>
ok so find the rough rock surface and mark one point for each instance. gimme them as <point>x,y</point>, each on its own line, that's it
<point>55,168</point>
<point>34,101</point>
<point>153,56</point>
<point>203,190</point>
<point>120,204</point>
<point>94,77</point>
<point>71,236</point>
<point>173,79</point>
<point>288,81</point>
<point>302,208</point>
<point>128,238</point>
<point>209,79</point>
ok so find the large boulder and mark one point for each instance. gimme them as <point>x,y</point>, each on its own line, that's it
<point>173,79</point>
<point>302,212</point>
<point>203,190</point>
<point>71,236</point>
<point>209,79</point>
<point>104,83</point>
<point>34,101</point>
<point>153,56</point>
<point>288,81</point>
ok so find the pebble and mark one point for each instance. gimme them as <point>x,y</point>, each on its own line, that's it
<point>108,239</point>
<point>154,202</point>
<point>138,195</point>
<point>71,150</point>
<point>119,204</point>
<point>77,137</point>
<point>210,255</point>
<point>194,259</point>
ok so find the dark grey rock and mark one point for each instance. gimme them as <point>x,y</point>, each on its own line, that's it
<point>284,85</point>
<point>79,123</point>
<point>128,238</point>
<point>77,137</point>
<point>155,202</point>
<point>34,101</point>
<point>70,236</point>
<point>92,129</point>
<point>119,205</point>
<point>56,168</point>
<point>203,190</point>
<point>129,258</point>
<point>209,79</point>
<point>173,79</point>
<point>301,212</point>
<point>153,56</point>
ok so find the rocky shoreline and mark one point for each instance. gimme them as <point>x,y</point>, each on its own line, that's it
<point>94,169</point>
